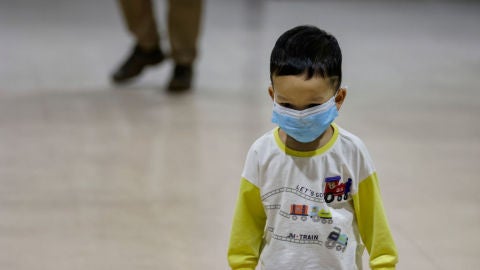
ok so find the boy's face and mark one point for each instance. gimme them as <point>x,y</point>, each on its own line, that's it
<point>294,92</point>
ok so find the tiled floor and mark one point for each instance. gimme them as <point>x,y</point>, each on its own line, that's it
<point>94,177</point>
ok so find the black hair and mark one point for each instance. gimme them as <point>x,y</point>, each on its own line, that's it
<point>307,50</point>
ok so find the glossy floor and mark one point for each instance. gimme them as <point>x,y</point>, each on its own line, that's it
<point>98,177</point>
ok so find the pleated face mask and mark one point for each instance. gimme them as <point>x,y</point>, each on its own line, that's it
<point>305,125</point>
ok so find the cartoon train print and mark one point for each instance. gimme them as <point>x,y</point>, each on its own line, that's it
<point>337,240</point>
<point>316,213</point>
<point>333,188</point>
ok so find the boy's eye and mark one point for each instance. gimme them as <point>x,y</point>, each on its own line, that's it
<point>290,106</point>
<point>287,105</point>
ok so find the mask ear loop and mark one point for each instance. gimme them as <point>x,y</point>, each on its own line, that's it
<point>275,99</point>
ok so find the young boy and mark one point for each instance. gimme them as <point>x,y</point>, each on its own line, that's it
<point>309,197</point>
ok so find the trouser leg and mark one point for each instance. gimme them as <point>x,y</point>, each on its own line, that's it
<point>184,18</point>
<point>139,17</point>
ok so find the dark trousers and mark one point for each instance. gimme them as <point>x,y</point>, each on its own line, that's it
<point>183,26</point>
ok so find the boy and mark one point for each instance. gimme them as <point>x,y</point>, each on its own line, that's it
<point>309,197</point>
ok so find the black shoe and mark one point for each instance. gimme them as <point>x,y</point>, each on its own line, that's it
<point>181,78</point>
<point>136,62</point>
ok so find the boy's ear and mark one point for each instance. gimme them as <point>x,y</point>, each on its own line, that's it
<point>340,97</point>
<point>271,92</point>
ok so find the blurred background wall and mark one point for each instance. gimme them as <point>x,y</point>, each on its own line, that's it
<point>94,176</point>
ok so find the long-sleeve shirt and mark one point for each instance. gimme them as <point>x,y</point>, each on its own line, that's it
<point>310,210</point>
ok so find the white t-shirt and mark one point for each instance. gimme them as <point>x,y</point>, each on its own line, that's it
<point>308,203</point>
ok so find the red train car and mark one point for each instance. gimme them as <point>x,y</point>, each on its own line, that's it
<point>333,188</point>
<point>299,210</point>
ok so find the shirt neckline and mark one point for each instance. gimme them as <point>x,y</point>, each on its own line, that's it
<point>312,153</point>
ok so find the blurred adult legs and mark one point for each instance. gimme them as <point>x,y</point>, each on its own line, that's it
<point>183,26</point>
<point>184,18</point>
<point>140,19</point>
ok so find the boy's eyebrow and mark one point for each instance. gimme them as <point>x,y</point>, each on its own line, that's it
<point>279,96</point>
<point>316,99</point>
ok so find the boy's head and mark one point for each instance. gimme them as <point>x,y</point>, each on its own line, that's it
<point>306,73</point>
<point>307,50</point>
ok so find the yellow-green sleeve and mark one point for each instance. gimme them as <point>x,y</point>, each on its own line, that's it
<point>373,225</point>
<point>247,228</point>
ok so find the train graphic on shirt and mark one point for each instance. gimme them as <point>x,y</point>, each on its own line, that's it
<point>314,212</point>
<point>333,188</point>
<point>337,240</point>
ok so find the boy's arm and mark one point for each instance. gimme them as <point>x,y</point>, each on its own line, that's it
<point>373,225</point>
<point>247,229</point>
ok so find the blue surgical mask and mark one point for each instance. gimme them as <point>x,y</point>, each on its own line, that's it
<point>306,125</point>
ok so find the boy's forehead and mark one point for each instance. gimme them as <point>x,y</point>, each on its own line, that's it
<point>298,84</point>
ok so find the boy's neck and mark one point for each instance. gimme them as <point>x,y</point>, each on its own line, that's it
<point>310,146</point>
